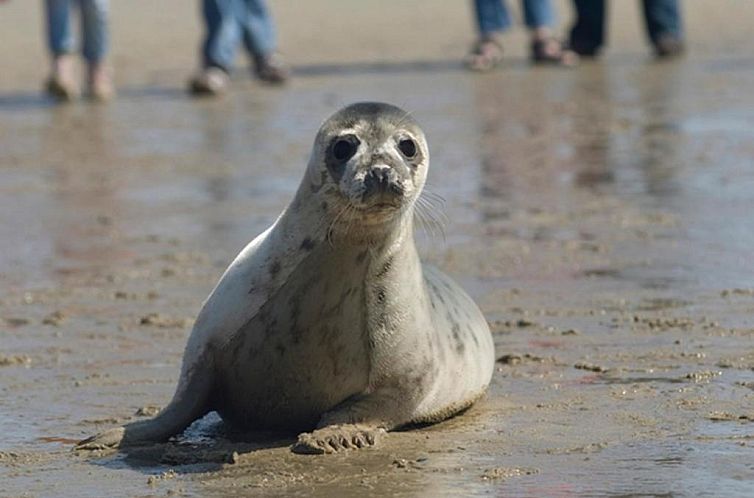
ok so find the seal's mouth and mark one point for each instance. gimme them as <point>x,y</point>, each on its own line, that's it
<point>377,205</point>
<point>382,199</point>
<point>382,188</point>
<point>377,190</point>
<point>377,208</point>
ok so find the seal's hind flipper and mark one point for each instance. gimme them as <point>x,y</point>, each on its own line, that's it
<point>190,402</point>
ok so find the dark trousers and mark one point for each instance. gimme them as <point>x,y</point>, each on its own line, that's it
<point>662,18</point>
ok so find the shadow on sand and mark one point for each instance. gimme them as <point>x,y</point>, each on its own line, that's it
<point>205,446</point>
<point>192,457</point>
<point>34,100</point>
<point>376,67</point>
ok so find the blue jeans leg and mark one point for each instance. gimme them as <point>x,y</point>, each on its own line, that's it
<point>94,22</point>
<point>59,36</point>
<point>588,32</point>
<point>663,17</point>
<point>491,16</point>
<point>223,33</point>
<point>538,13</point>
<point>257,26</point>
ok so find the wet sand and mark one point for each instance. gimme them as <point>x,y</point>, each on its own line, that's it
<point>600,216</point>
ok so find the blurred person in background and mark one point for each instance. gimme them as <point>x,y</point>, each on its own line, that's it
<point>228,23</point>
<point>662,18</point>
<point>493,18</point>
<point>95,37</point>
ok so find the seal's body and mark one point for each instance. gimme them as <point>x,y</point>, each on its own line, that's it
<point>328,320</point>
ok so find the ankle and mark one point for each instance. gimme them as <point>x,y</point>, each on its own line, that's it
<point>540,34</point>
<point>491,37</point>
<point>61,63</point>
<point>99,71</point>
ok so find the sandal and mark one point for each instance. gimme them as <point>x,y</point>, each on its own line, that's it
<point>551,51</point>
<point>485,55</point>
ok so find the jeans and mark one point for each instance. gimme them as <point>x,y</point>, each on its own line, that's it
<point>94,26</point>
<point>228,22</point>
<point>492,15</point>
<point>662,17</point>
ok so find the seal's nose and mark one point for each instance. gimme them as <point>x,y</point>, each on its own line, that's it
<point>378,179</point>
<point>381,176</point>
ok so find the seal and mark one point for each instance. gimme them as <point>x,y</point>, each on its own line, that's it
<point>328,322</point>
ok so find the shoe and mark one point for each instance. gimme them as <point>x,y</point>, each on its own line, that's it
<point>100,83</point>
<point>61,84</point>
<point>271,69</point>
<point>668,46</point>
<point>211,81</point>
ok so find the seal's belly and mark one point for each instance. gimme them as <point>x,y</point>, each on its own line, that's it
<point>300,356</point>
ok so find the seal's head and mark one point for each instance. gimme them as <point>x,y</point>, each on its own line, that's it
<point>371,159</point>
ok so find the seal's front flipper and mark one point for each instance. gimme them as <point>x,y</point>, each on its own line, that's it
<point>358,422</point>
<point>191,401</point>
<point>336,438</point>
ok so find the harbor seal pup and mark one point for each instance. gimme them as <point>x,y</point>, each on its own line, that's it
<point>328,322</point>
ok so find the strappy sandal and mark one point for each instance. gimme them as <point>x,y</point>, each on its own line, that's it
<point>551,52</point>
<point>486,54</point>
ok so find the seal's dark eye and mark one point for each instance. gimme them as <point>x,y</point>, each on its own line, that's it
<point>344,148</point>
<point>407,147</point>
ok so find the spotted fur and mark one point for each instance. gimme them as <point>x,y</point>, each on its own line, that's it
<point>328,320</point>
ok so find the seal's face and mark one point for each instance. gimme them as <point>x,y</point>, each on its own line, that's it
<point>373,159</point>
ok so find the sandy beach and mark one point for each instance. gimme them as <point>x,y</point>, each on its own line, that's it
<point>601,217</point>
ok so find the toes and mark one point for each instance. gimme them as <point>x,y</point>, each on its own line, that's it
<point>307,444</point>
<point>360,441</point>
<point>371,438</point>
<point>334,444</point>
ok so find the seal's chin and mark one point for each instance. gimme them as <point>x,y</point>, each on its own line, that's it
<point>374,211</point>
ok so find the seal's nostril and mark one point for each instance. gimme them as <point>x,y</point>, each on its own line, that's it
<point>378,179</point>
<point>382,175</point>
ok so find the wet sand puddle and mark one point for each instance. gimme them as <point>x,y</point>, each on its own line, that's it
<point>604,227</point>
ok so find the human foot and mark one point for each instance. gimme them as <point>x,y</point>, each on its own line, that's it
<point>100,82</point>
<point>271,69</point>
<point>61,84</point>
<point>668,46</point>
<point>486,54</point>
<point>551,51</point>
<point>211,81</point>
